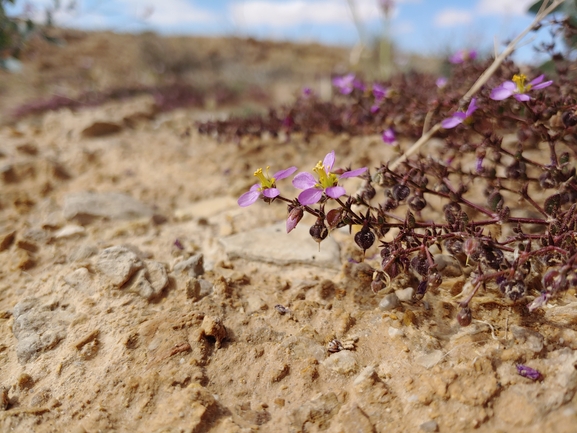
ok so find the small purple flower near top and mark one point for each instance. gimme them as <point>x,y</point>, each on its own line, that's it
<point>459,116</point>
<point>389,136</point>
<point>528,372</point>
<point>462,56</point>
<point>266,186</point>
<point>347,83</point>
<point>441,82</point>
<point>518,89</point>
<point>327,181</point>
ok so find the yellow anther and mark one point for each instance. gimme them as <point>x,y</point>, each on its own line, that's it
<point>519,80</point>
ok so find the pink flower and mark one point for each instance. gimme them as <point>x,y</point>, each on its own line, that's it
<point>266,186</point>
<point>441,82</point>
<point>327,181</point>
<point>518,89</point>
<point>462,56</point>
<point>459,116</point>
<point>389,136</point>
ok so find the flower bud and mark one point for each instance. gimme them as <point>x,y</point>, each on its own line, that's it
<point>365,238</point>
<point>294,216</point>
<point>464,317</point>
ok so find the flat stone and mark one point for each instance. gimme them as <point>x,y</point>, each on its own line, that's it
<point>206,208</point>
<point>343,362</point>
<point>429,426</point>
<point>192,267</point>
<point>405,295</point>
<point>448,266</point>
<point>38,327</point>
<point>84,207</point>
<point>429,360</point>
<point>273,245</point>
<point>118,265</point>
<point>389,302</point>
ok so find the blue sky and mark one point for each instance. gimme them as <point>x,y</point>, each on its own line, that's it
<point>423,26</point>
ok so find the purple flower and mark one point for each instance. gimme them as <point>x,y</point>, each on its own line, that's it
<point>462,56</point>
<point>307,91</point>
<point>266,186</point>
<point>380,92</point>
<point>327,181</point>
<point>389,136</point>
<point>528,372</point>
<point>441,82</point>
<point>459,116</point>
<point>518,89</point>
<point>345,83</point>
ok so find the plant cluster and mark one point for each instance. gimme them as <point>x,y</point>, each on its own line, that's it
<point>500,196</point>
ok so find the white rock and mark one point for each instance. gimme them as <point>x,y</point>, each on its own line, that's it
<point>389,302</point>
<point>273,245</point>
<point>343,362</point>
<point>405,295</point>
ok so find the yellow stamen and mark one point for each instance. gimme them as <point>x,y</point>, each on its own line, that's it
<point>519,80</point>
<point>326,180</point>
<point>265,181</point>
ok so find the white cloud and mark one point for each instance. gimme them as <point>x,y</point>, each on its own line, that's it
<point>453,17</point>
<point>169,12</point>
<point>503,7</point>
<point>289,13</point>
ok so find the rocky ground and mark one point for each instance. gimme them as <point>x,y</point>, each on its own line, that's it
<point>135,295</point>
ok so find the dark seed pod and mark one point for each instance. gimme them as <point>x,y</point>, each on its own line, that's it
<point>569,118</point>
<point>420,265</point>
<point>318,231</point>
<point>548,181</point>
<point>365,238</point>
<point>401,192</point>
<point>434,280</point>
<point>454,247</point>
<point>464,316</point>
<point>367,192</point>
<point>554,281</point>
<point>417,203</point>
<point>517,170</point>
<point>386,250</point>
<point>494,258</point>
<point>421,289</point>
<point>514,290</point>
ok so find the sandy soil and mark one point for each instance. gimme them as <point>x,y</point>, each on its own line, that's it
<point>135,295</point>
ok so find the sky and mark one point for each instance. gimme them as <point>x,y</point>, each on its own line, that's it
<point>430,27</point>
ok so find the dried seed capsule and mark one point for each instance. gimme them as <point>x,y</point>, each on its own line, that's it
<point>464,317</point>
<point>420,265</point>
<point>318,231</point>
<point>367,192</point>
<point>401,192</point>
<point>421,289</point>
<point>514,290</point>
<point>417,203</point>
<point>365,238</point>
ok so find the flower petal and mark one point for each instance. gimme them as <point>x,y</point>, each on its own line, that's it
<point>472,107</point>
<point>537,80</point>
<point>542,85</point>
<point>271,192</point>
<point>248,198</point>
<point>500,93</point>
<point>352,173</point>
<point>329,161</point>
<point>335,191</point>
<point>522,97</point>
<point>310,196</point>
<point>284,173</point>
<point>304,181</point>
<point>451,122</point>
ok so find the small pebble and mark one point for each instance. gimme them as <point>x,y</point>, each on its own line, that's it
<point>430,426</point>
<point>389,302</point>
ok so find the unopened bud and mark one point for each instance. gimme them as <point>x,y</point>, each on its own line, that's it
<point>294,216</point>
<point>464,317</point>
